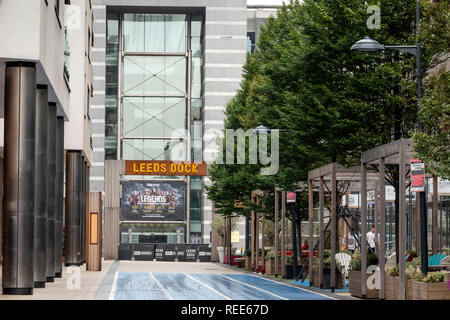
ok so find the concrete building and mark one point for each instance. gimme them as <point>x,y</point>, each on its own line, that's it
<point>45,139</point>
<point>162,70</point>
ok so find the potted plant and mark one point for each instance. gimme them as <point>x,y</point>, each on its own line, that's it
<point>326,272</point>
<point>392,280</point>
<point>430,287</point>
<point>270,262</point>
<point>289,267</point>
<point>354,276</point>
<point>248,264</point>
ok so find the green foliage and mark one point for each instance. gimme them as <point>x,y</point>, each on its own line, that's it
<point>437,276</point>
<point>218,225</point>
<point>372,260</point>
<point>355,263</point>
<point>270,255</point>
<point>394,272</point>
<point>331,103</point>
<point>289,260</point>
<point>248,252</point>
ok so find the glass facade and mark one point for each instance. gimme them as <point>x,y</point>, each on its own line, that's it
<point>154,99</point>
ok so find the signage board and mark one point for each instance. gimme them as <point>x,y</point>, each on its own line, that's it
<point>165,168</point>
<point>235,236</point>
<point>417,175</point>
<point>239,204</point>
<point>290,197</point>
<point>153,201</point>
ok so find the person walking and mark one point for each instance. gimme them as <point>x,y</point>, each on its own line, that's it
<point>370,236</point>
<point>349,242</point>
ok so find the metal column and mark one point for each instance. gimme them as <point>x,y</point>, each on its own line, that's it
<point>19,170</point>
<point>72,245</point>
<point>51,196</point>
<point>59,195</point>
<point>82,209</point>
<point>283,233</point>
<point>40,192</point>
<point>334,227</point>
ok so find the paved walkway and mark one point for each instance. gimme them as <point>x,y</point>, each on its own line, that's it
<point>144,280</point>
<point>66,288</point>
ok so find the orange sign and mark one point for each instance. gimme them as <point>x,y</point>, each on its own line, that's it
<point>165,168</point>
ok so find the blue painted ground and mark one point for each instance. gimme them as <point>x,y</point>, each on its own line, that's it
<point>202,286</point>
<point>306,284</point>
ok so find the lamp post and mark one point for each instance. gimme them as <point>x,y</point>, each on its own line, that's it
<point>369,45</point>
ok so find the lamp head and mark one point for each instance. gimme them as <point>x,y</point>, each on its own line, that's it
<point>261,130</point>
<point>367,45</point>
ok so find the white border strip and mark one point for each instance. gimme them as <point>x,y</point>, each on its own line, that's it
<point>207,286</point>
<point>166,293</point>
<point>285,284</point>
<point>249,285</point>
<point>113,288</point>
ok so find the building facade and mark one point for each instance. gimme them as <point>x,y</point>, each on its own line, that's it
<point>45,144</point>
<point>163,72</point>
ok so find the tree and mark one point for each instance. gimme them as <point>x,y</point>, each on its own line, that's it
<point>433,143</point>
<point>332,103</point>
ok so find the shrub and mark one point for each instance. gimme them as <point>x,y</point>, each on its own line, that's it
<point>289,260</point>
<point>393,271</point>
<point>248,252</point>
<point>372,260</point>
<point>270,255</point>
<point>437,276</point>
<point>355,263</point>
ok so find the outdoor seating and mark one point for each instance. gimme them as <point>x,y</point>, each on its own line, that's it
<point>344,260</point>
<point>434,262</point>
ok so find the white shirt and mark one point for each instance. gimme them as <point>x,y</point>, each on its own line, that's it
<point>351,242</point>
<point>371,239</point>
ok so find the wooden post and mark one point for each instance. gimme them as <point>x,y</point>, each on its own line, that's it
<point>334,227</point>
<point>435,226</point>
<point>252,251</point>
<point>257,241</point>
<point>382,244</point>
<point>276,232</point>
<point>321,231</point>
<point>311,228</point>
<point>375,217</point>
<point>363,228</point>
<point>283,233</point>
<point>94,231</point>
<point>263,244</point>
<point>402,222</point>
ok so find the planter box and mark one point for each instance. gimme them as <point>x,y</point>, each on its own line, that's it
<point>314,278</point>
<point>355,286</point>
<point>289,271</point>
<point>270,266</point>
<point>430,291</point>
<point>392,289</point>
<point>248,265</point>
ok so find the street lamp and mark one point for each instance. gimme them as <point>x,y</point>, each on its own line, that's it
<point>261,130</point>
<point>369,45</point>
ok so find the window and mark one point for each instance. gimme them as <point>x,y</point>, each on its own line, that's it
<point>251,42</point>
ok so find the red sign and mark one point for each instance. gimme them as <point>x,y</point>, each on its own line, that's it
<point>417,175</point>
<point>290,197</point>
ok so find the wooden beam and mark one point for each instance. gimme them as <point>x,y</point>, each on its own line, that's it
<point>363,228</point>
<point>382,245</point>
<point>311,229</point>
<point>321,232</point>
<point>333,227</point>
<point>277,234</point>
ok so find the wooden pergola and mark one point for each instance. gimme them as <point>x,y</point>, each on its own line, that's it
<point>333,173</point>
<point>397,152</point>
